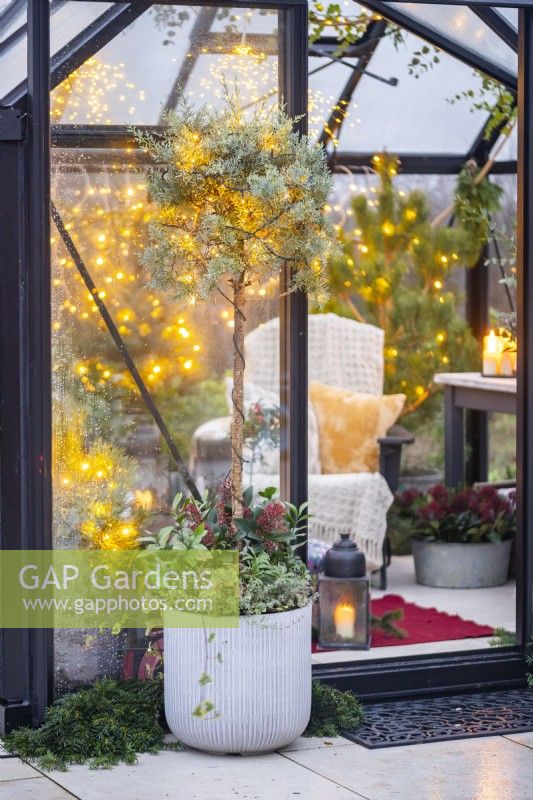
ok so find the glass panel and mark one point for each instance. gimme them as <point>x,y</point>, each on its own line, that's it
<point>243,48</point>
<point>415,116</point>
<point>195,48</point>
<point>67,21</point>
<point>509,147</point>
<point>12,17</point>
<point>511,14</point>
<point>110,461</point>
<point>459,24</point>
<point>396,275</point>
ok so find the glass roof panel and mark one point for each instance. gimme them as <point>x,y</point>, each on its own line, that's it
<point>416,116</point>
<point>12,17</point>
<point>462,26</point>
<point>67,20</point>
<point>138,75</point>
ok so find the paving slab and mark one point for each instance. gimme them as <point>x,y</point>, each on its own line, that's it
<point>191,775</point>
<point>471,769</point>
<point>13,769</point>
<point>525,739</point>
<point>33,789</point>
<point>314,742</point>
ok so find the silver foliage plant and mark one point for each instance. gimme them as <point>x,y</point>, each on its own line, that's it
<point>240,198</point>
<point>266,587</point>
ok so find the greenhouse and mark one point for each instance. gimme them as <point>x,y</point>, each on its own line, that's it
<point>265,330</point>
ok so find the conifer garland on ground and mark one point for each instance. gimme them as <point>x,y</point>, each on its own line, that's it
<point>101,725</point>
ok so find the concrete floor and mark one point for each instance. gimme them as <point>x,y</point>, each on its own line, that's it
<point>495,768</point>
<point>495,607</point>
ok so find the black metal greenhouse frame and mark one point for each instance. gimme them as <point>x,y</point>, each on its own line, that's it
<point>25,368</point>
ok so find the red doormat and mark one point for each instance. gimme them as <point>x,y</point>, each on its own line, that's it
<point>421,624</point>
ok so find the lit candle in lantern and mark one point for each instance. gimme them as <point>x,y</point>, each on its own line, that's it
<point>144,499</point>
<point>499,354</point>
<point>344,618</point>
<point>491,354</point>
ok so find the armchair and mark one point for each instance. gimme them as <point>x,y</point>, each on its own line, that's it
<point>344,354</point>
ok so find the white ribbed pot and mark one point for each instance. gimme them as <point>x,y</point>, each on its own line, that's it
<point>259,683</point>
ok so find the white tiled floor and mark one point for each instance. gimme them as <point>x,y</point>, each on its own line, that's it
<point>495,768</point>
<point>495,607</point>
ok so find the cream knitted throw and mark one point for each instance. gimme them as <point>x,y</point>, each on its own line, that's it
<point>356,504</point>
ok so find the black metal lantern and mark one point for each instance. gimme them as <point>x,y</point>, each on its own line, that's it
<point>344,597</point>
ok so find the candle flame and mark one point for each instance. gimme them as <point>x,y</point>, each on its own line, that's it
<point>492,343</point>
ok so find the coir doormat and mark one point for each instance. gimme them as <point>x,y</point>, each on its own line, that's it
<point>441,719</point>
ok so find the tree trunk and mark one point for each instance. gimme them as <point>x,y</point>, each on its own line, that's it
<point>237,421</point>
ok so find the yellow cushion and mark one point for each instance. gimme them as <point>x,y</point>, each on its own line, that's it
<point>349,425</point>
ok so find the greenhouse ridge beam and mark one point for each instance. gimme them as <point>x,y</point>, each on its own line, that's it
<point>444,43</point>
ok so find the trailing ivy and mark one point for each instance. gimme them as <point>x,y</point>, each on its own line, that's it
<point>333,711</point>
<point>103,725</point>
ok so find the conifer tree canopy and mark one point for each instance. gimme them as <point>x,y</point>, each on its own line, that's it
<point>240,198</point>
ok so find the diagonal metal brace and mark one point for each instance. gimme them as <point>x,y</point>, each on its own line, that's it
<point>124,352</point>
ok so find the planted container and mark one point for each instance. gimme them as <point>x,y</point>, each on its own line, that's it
<point>456,565</point>
<point>240,690</point>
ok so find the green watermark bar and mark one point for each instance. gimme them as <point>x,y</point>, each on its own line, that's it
<point>119,589</point>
